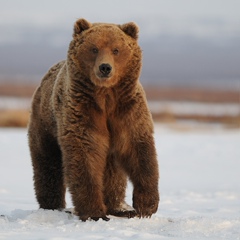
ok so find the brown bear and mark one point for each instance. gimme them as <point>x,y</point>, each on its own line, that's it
<point>90,127</point>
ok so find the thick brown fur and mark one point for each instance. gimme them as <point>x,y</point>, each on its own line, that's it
<point>90,130</point>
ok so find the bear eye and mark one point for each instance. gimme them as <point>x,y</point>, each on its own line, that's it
<point>115,51</point>
<point>95,50</point>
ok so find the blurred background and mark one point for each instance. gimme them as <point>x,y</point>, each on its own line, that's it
<point>191,54</point>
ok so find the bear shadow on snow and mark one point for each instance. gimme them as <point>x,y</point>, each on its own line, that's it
<point>90,127</point>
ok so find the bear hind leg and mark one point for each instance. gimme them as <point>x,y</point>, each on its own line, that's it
<point>48,173</point>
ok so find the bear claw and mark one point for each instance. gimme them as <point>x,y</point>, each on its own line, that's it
<point>84,219</point>
<point>124,214</point>
<point>103,218</point>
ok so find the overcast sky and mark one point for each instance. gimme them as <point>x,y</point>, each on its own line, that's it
<point>198,17</point>
<point>108,10</point>
<point>181,39</point>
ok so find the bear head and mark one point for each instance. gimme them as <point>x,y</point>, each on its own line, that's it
<point>105,53</point>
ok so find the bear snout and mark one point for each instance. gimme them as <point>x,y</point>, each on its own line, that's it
<point>105,69</point>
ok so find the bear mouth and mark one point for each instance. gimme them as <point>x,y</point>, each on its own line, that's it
<point>104,77</point>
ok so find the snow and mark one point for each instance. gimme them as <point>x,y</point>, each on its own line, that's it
<point>198,108</point>
<point>199,185</point>
<point>14,103</point>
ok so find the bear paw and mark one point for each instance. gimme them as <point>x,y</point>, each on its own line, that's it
<point>92,215</point>
<point>145,203</point>
<point>124,210</point>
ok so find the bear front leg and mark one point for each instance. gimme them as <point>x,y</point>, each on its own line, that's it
<point>142,167</point>
<point>115,183</point>
<point>84,164</point>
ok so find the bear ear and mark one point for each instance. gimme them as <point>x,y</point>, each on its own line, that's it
<point>130,29</point>
<point>81,25</point>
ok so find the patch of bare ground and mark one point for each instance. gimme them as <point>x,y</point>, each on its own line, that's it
<point>225,120</point>
<point>14,118</point>
<point>17,89</point>
<point>193,94</point>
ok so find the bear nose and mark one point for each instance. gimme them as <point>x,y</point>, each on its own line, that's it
<point>105,69</point>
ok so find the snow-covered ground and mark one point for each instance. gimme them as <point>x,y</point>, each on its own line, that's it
<point>14,103</point>
<point>196,108</point>
<point>200,192</point>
